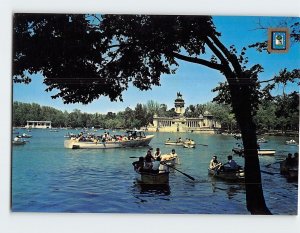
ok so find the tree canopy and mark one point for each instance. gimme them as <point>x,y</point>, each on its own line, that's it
<point>100,55</point>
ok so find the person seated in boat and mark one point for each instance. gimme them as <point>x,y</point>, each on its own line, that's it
<point>16,139</point>
<point>95,140</point>
<point>139,165</point>
<point>156,165</point>
<point>231,164</point>
<point>289,160</point>
<point>179,140</point>
<point>147,164</point>
<point>214,163</point>
<point>173,153</point>
<point>157,153</point>
<point>296,159</point>
<point>169,139</point>
<point>149,155</point>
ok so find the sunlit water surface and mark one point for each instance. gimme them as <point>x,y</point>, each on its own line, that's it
<point>46,177</point>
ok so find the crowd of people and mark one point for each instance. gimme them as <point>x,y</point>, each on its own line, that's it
<point>154,163</point>
<point>105,137</point>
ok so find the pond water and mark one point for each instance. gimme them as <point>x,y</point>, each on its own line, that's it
<point>46,177</point>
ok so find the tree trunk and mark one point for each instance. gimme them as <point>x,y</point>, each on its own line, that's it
<point>241,100</point>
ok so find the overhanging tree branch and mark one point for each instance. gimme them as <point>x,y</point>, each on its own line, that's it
<point>231,57</point>
<point>198,61</point>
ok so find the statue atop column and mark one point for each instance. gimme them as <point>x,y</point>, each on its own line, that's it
<point>179,95</point>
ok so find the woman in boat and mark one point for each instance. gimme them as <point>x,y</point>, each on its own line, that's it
<point>214,163</point>
<point>149,155</point>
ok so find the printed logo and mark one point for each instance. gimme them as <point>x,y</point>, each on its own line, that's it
<point>278,41</point>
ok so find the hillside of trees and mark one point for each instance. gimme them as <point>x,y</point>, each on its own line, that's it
<point>281,113</point>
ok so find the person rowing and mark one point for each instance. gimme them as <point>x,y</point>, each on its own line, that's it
<point>215,164</point>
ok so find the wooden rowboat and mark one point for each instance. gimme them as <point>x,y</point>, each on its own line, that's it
<point>18,143</point>
<point>169,159</point>
<point>153,179</point>
<point>268,152</point>
<point>262,152</point>
<point>173,143</point>
<point>232,175</point>
<point>188,145</point>
<point>291,171</point>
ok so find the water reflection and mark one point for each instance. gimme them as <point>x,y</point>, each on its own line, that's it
<point>231,189</point>
<point>156,189</point>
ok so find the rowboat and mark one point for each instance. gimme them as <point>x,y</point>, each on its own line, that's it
<point>174,143</point>
<point>291,171</point>
<point>19,142</point>
<point>169,159</point>
<point>70,135</point>
<point>262,140</point>
<point>24,135</point>
<point>232,175</point>
<point>139,140</point>
<point>291,142</point>
<point>262,152</point>
<point>268,152</point>
<point>153,179</point>
<point>53,130</point>
<point>189,145</point>
<point>238,150</point>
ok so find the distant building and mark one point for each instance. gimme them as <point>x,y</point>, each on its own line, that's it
<point>38,124</point>
<point>203,124</point>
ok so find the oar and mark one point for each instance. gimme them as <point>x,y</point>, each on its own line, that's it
<point>201,144</point>
<point>190,177</point>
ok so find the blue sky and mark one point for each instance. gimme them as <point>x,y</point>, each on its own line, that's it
<point>193,81</point>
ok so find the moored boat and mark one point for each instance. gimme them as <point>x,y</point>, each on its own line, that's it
<point>228,174</point>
